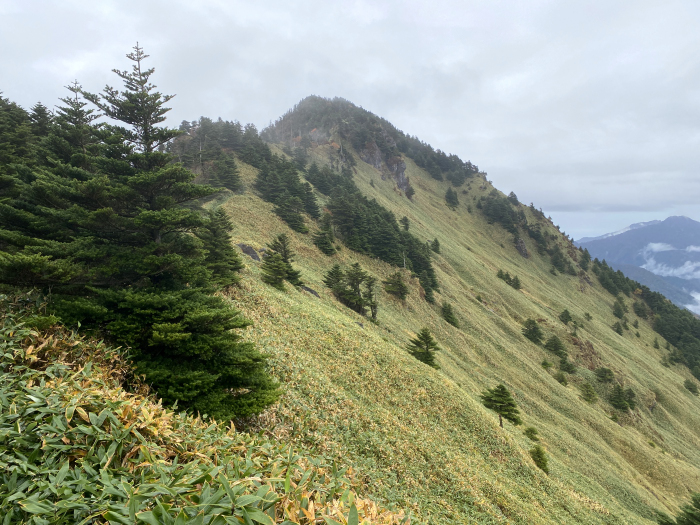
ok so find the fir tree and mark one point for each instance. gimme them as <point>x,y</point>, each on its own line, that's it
<point>405,223</point>
<point>532,331</point>
<point>225,173</point>
<point>448,314</point>
<point>617,327</point>
<point>282,246</point>
<point>423,348</point>
<point>322,240</point>
<point>334,278</point>
<point>604,375</point>
<point>515,282</point>
<point>656,343</point>
<point>427,286</point>
<point>369,295</point>
<point>531,433</point>
<point>565,317</point>
<point>500,400</point>
<point>395,285</point>
<point>435,246</point>
<point>555,345</point>
<point>618,399</point>
<point>618,311</point>
<point>588,393</point>
<point>451,199</point>
<point>274,270</point>
<point>124,252</point>
<point>222,260</point>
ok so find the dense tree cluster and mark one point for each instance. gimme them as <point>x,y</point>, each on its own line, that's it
<point>499,209</point>
<point>354,287</point>
<point>678,326</point>
<point>101,220</point>
<point>513,281</point>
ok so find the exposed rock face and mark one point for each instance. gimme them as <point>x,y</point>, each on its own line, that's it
<point>397,167</point>
<point>372,155</point>
<point>310,290</point>
<point>522,249</point>
<point>249,251</point>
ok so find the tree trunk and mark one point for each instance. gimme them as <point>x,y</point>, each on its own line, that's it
<point>500,420</point>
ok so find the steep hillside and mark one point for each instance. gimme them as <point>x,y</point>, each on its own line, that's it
<point>421,437</point>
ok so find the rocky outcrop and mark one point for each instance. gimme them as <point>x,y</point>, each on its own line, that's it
<point>310,290</point>
<point>397,167</point>
<point>522,249</point>
<point>249,251</point>
<point>372,155</point>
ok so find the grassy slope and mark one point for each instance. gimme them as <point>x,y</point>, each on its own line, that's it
<point>420,437</point>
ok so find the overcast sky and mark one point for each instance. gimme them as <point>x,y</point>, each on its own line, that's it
<point>590,109</point>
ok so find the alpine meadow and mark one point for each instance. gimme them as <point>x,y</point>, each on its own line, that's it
<point>323,321</point>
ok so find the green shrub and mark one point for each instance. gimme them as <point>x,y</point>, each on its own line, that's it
<point>539,456</point>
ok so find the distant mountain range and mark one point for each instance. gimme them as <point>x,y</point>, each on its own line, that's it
<point>663,255</point>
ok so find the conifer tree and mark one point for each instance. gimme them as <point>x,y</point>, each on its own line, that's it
<point>282,246</point>
<point>532,331</point>
<point>515,282</point>
<point>435,246</point>
<point>225,172</point>
<point>448,314</point>
<point>322,240</point>
<point>369,295</point>
<point>588,393</point>
<point>618,311</point>
<point>555,345</point>
<point>334,278</point>
<point>128,258</point>
<point>221,259</point>
<point>451,199</point>
<point>604,375</point>
<point>500,400</point>
<point>427,286</point>
<point>274,270</point>
<point>405,223</point>
<point>618,399</point>
<point>423,348</point>
<point>565,317</point>
<point>394,285</point>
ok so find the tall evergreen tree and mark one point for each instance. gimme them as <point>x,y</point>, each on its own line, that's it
<point>532,331</point>
<point>221,258</point>
<point>405,223</point>
<point>435,246</point>
<point>282,246</point>
<point>274,270</point>
<point>121,252</point>
<point>500,400</point>
<point>451,199</point>
<point>423,348</point>
<point>394,285</point>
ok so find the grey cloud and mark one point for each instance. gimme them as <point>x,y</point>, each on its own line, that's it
<point>588,109</point>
